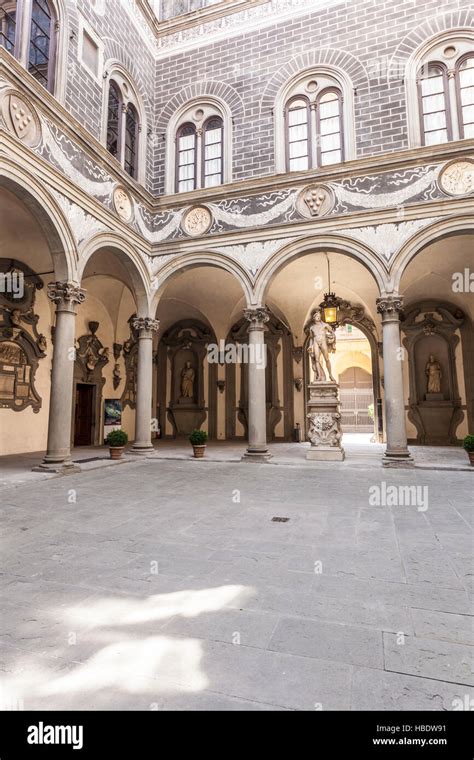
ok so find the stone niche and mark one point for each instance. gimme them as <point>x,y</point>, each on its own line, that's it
<point>434,401</point>
<point>21,345</point>
<point>183,373</point>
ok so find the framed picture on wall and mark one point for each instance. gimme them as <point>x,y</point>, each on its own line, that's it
<point>112,412</point>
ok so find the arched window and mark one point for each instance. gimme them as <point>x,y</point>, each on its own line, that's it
<point>317,128</point>
<point>297,117</point>
<point>8,25</point>
<point>465,95</point>
<point>434,104</point>
<point>186,158</point>
<point>114,111</point>
<point>42,43</point>
<point>131,141</point>
<point>121,133</point>
<point>329,127</point>
<point>213,152</point>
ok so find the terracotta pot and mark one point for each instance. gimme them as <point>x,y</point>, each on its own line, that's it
<point>471,457</point>
<point>116,451</point>
<point>199,451</point>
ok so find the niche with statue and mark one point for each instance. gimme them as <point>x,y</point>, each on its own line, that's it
<point>434,403</point>
<point>187,383</point>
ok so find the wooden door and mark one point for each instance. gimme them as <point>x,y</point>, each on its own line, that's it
<point>84,414</point>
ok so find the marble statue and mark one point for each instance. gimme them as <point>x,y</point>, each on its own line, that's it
<point>433,373</point>
<point>187,381</point>
<point>322,342</point>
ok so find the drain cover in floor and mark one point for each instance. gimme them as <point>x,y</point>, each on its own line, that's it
<point>280,519</point>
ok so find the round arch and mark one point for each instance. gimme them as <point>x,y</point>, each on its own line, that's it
<point>47,213</point>
<point>456,225</point>
<point>131,260</point>
<point>326,243</point>
<point>192,260</point>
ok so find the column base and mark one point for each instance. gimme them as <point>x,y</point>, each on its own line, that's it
<point>256,456</point>
<point>398,459</point>
<point>141,450</point>
<point>64,468</point>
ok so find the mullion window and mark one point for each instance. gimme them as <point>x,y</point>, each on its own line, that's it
<point>186,156</point>
<point>114,114</point>
<point>131,141</point>
<point>39,57</point>
<point>434,106</point>
<point>7,27</point>
<point>213,152</point>
<point>329,128</point>
<point>465,96</point>
<point>298,136</point>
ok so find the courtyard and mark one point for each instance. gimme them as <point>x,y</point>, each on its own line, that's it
<point>166,584</point>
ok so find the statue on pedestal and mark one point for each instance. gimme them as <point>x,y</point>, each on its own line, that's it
<point>322,342</point>
<point>434,374</point>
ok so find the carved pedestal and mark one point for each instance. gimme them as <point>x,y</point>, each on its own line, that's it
<point>324,418</point>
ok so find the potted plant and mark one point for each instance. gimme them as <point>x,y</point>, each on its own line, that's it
<point>198,439</point>
<point>116,440</point>
<point>468,444</point>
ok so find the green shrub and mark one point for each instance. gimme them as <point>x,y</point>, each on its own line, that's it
<point>468,443</point>
<point>370,411</point>
<point>117,438</point>
<point>198,437</point>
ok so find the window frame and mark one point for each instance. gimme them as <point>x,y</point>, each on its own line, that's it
<point>457,78</point>
<point>131,109</point>
<point>177,152</point>
<point>340,98</point>
<point>52,49</point>
<point>309,139</point>
<point>215,117</point>
<point>18,10</point>
<point>112,85</point>
<point>447,104</point>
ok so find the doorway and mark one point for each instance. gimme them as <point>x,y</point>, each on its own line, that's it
<point>357,399</point>
<point>84,415</point>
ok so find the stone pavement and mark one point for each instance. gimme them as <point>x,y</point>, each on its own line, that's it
<point>166,584</point>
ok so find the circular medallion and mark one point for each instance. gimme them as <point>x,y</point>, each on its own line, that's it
<point>21,118</point>
<point>316,200</point>
<point>197,221</point>
<point>123,204</point>
<point>457,177</point>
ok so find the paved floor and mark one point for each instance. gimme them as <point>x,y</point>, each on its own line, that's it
<point>360,451</point>
<point>167,585</point>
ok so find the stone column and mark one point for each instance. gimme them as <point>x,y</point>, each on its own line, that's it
<point>145,326</point>
<point>396,453</point>
<point>58,456</point>
<point>257,449</point>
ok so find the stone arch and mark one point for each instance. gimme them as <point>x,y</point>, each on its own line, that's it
<point>131,260</point>
<point>328,57</point>
<point>456,20</point>
<point>206,88</point>
<point>181,263</point>
<point>48,214</point>
<point>336,243</point>
<point>453,225</point>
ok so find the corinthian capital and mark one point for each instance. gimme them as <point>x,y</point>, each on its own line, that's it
<point>66,293</point>
<point>257,317</point>
<point>389,305</point>
<point>145,324</point>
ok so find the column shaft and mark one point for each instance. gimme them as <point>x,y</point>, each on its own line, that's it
<point>145,326</point>
<point>257,417</point>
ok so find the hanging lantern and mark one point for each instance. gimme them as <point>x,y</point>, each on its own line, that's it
<point>330,304</point>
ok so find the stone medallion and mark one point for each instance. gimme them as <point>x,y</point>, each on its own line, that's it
<point>315,200</point>
<point>123,204</point>
<point>21,118</point>
<point>457,177</point>
<point>197,221</point>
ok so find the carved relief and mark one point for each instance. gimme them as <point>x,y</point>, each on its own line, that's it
<point>197,221</point>
<point>21,345</point>
<point>324,429</point>
<point>457,177</point>
<point>316,200</point>
<point>91,355</point>
<point>21,118</point>
<point>123,204</point>
<point>130,355</point>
